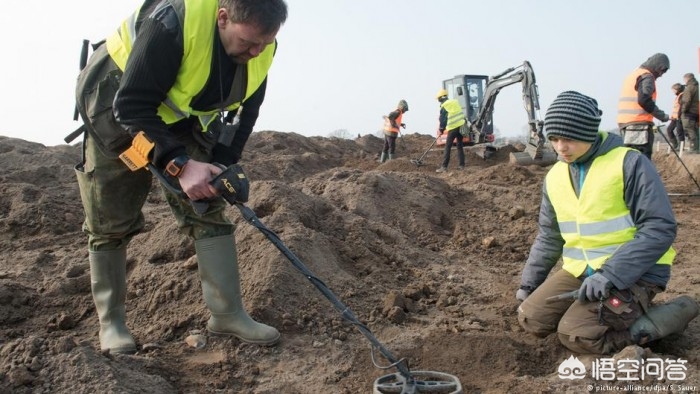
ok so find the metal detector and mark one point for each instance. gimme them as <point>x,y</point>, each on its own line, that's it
<point>675,152</point>
<point>419,162</point>
<point>404,381</point>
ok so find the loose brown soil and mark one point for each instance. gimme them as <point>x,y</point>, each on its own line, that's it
<point>429,262</point>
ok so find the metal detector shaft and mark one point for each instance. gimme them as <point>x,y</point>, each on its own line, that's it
<point>677,155</point>
<point>408,383</point>
<point>345,311</point>
<point>571,295</point>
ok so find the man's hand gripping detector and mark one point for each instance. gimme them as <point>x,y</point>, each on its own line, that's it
<point>232,182</point>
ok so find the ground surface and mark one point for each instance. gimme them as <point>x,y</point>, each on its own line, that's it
<point>429,262</point>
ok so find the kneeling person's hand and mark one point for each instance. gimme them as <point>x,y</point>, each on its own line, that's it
<point>595,287</point>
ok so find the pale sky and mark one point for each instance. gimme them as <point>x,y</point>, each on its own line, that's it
<point>342,64</point>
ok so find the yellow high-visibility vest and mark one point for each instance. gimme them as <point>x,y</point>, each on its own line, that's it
<point>198,28</point>
<point>455,115</point>
<point>597,222</point>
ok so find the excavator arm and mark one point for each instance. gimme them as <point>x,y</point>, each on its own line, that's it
<point>520,74</point>
<point>477,96</point>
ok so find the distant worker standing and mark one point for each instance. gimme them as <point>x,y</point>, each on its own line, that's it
<point>675,128</point>
<point>392,122</point>
<point>606,214</point>
<point>451,119</point>
<point>637,108</point>
<point>689,111</point>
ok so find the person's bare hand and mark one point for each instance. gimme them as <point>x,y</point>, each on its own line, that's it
<point>195,179</point>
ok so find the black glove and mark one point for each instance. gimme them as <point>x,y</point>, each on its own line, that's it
<point>233,184</point>
<point>665,118</point>
<point>595,287</point>
<point>403,125</point>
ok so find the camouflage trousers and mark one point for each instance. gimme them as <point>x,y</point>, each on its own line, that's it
<point>113,197</point>
<point>585,327</point>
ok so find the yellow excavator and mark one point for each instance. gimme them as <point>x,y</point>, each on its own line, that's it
<point>477,94</point>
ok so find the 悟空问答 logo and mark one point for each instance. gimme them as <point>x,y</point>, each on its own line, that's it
<point>572,369</point>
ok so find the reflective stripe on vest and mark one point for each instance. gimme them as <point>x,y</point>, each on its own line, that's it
<point>455,115</point>
<point>198,19</point>
<point>389,129</point>
<point>628,108</point>
<point>676,107</point>
<point>595,224</point>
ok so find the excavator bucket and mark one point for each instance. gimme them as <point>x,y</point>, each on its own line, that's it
<point>531,156</point>
<point>536,151</point>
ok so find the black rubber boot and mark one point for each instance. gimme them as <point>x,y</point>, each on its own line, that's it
<point>664,320</point>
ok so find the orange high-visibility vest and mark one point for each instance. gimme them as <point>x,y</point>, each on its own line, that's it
<point>628,108</point>
<point>389,129</point>
<point>676,107</point>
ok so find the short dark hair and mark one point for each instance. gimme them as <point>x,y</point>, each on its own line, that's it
<point>268,15</point>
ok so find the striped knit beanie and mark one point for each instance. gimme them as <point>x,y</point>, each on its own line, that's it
<point>574,116</point>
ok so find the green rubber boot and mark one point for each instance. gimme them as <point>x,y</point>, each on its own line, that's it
<point>383,157</point>
<point>391,156</point>
<point>218,270</point>
<point>108,282</point>
<point>664,320</point>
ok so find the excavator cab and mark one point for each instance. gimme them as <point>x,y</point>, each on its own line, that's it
<point>468,90</point>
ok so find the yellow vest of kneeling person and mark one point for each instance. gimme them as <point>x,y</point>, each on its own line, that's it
<point>595,224</point>
<point>198,29</point>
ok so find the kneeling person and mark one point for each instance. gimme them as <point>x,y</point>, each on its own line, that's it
<point>606,213</point>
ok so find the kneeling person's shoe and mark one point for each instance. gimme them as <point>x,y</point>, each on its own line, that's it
<point>663,320</point>
<point>441,169</point>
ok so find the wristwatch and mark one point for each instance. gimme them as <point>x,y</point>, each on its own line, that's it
<point>176,165</point>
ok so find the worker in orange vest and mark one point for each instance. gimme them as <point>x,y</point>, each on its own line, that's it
<point>637,108</point>
<point>392,122</point>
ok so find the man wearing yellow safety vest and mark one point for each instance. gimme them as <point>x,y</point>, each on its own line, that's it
<point>606,214</point>
<point>636,108</point>
<point>675,127</point>
<point>392,124</point>
<point>451,119</point>
<point>170,71</point>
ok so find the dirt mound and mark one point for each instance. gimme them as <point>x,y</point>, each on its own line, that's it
<point>429,262</point>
